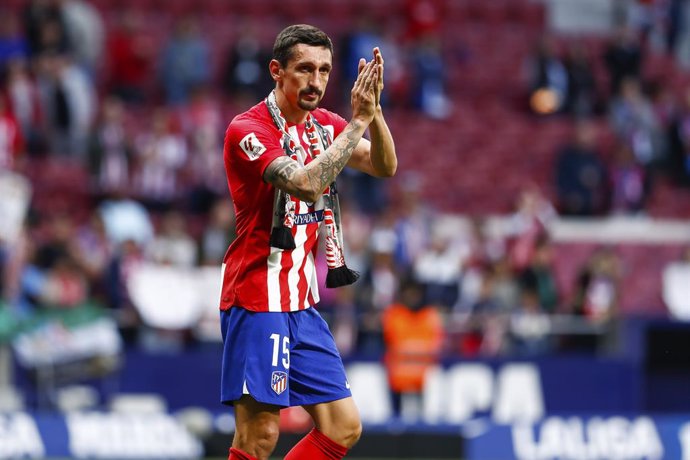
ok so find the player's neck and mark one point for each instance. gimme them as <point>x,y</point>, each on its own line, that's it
<point>293,115</point>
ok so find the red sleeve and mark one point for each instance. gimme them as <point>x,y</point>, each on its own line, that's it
<point>250,147</point>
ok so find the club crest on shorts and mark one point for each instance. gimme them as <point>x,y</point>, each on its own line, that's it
<point>278,381</point>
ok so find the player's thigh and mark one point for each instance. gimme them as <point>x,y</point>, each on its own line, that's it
<point>255,418</point>
<point>334,414</point>
<point>257,426</point>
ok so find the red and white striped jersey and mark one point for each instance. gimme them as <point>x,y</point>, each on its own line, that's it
<point>256,276</point>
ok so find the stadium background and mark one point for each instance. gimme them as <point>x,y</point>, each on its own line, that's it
<point>556,273</point>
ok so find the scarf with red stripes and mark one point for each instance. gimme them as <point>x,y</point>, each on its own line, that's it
<point>284,208</point>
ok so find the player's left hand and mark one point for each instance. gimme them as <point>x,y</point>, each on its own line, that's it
<point>378,58</point>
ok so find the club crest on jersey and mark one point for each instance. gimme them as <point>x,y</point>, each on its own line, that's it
<point>251,146</point>
<point>278,381</point>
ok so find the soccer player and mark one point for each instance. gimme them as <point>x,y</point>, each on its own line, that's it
<point>281,158</point>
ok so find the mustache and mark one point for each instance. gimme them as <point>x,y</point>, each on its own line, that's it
<point>312,90</point>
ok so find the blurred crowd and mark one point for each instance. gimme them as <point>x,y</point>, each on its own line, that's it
<point>143,127</point>
<point>645,112</point>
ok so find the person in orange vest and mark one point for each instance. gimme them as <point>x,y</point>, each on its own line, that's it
<point>413,334</point>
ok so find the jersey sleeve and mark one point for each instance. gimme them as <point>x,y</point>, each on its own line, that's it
<point>251,146</point>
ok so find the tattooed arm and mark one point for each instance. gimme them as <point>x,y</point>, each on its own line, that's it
<point>308,183</point>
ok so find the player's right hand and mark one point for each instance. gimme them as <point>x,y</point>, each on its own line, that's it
<point>364,97</point>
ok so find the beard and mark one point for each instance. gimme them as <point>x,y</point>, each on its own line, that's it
<point>309,105</point>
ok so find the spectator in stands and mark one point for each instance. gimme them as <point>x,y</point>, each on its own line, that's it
<point>430,94</point>
<point>24,102</point>
<point>185,61</point>
<point>13,45</point>
<point>244,77</point>
<point>160,154</point>
<point>218,233</point>
<point>484,324</point>
<point>378,287</point>
<point>529,325</point>
<point>676,286</point>
<point>679,144</point>
<point>581,175</point>
<point>582,99</point>
<point>51,276</point>
<point>414,337</point>
<point>130,58</point>
<point>597,293</point>
<point>485,246</point>
<point>11,140</point>
<point>341,315</point>
<point>438,270</point>
<point>482,251</point>
<point>381,279</point>
<point>366,191</point>
<point>129,230</point>
<point>549,85</point>
<point>538,278</point>
<point>643,17</point>
<point>634,120</point>
<point>680,36</point>
<point>422,17</point>
<point>623,58</point>
<point>202,113</point>
<point>675,23</point>
<point>93,251</point>
<point>367,30</point>
<point>66,284</point>
<point>44,27</point>
<point>423,23</point>
<point>110,149</point>
<point>528,225</point>
<point>30,279</point>
<point>127,257</point>
<point>505,286</point>
<point>357,227</point>
<point>666,105</point>
<point>364,35</point>
<point>125,219</point>
<point>86,33</point>
<point>204,175</point>
<point>629,182</point>
<point>413,219</point>
<point>69,103</point>
<point>172,244</point>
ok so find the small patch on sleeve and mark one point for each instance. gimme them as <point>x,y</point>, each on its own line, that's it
<point>252,147</point>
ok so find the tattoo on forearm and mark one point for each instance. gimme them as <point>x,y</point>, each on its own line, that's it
<point>334,159</point>
<point>282,171</point>
<point>286,174</point>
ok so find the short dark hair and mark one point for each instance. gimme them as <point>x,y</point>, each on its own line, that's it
<point>296,34</point>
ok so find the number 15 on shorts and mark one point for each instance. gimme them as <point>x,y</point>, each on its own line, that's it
<point>285,361</point>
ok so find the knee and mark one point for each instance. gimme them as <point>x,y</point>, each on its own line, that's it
<point>354,434</point>
<point>257,439</point>
<point>350,432</point>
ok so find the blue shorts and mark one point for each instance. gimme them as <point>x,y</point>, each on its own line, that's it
<point>285,359</point>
